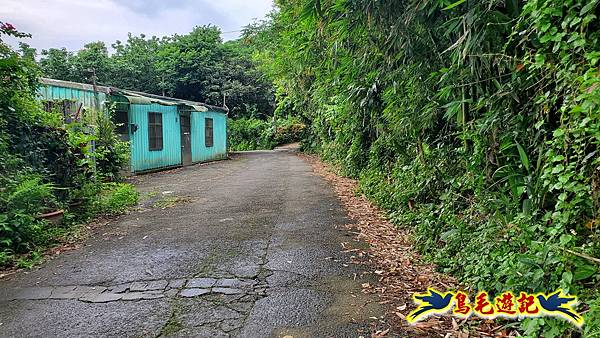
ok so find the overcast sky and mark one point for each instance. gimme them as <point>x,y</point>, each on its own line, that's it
<point>72,23</point>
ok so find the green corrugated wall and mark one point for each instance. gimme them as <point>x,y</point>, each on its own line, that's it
<point>142,158</point>
<point>48,92</point>
<point>200,152</point>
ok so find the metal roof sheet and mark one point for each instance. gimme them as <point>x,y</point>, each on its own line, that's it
<point>145,98</point>
<point>74,85</point>
<point>136,97</point>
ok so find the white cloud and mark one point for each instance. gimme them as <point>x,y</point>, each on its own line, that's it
<point>72,23</point>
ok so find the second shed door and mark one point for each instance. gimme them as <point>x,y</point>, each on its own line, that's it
<point>186,140</point>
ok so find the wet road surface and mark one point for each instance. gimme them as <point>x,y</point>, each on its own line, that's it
<point>248,247</point>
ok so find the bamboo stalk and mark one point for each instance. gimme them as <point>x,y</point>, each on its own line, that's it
<point>590,258</point>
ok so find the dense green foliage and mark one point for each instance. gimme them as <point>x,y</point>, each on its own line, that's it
<point>249,134</point>
<point>475,123</point>
<point>46,165</point>
<point>253,133</point>
<point>197,66</point>
<point>288,130</point>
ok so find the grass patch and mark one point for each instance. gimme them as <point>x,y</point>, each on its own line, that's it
<point>116,198</point>
<point>173,325</point>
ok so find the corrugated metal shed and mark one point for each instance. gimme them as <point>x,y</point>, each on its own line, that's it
<point>134,109</point>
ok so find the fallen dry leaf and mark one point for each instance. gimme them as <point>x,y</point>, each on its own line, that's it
<point>379,334</point>
<point>393,259</point>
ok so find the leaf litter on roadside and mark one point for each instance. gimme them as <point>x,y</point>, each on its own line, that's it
<point>399,268</point>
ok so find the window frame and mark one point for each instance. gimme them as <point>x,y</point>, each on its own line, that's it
<point>121,121</point>
<point>155,131</point>
<point>209,138</point>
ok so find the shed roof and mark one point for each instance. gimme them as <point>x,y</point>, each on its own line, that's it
<point>135,97</point>
<point>74,85</point>
<point>145,98</point>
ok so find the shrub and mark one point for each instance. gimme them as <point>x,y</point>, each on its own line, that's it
<point>289,130</point>
<point>253,133</point>
<point>250,134</point>
<point>112,154</point>
<point>21,199</point>
<point>115,198</point>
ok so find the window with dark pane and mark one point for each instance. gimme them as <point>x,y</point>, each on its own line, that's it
<point>155,131</point>
<point>208,132</point>
<point>121,121</point>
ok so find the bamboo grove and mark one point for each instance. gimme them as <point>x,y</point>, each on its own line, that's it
<point>474,123</point>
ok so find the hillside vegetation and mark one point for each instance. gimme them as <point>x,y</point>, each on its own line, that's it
<point>474,123</point>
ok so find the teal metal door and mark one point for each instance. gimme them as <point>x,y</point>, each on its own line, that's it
<point>186,140</point>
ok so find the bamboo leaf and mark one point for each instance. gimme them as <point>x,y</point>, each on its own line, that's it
<point>523,156</point>
<point>588,7</point>
<point>453,5</point>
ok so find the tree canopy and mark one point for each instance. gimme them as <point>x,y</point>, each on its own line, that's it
<point>195,66</point>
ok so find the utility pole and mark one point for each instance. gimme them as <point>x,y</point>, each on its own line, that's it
<point>95,88</point>
<point>96,110</point>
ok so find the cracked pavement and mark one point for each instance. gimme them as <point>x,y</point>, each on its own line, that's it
<point>248,247</point>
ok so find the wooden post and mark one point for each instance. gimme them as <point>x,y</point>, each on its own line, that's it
<point>95,88</point>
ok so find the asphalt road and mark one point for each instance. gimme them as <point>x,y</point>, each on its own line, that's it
<point>248,247</point>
